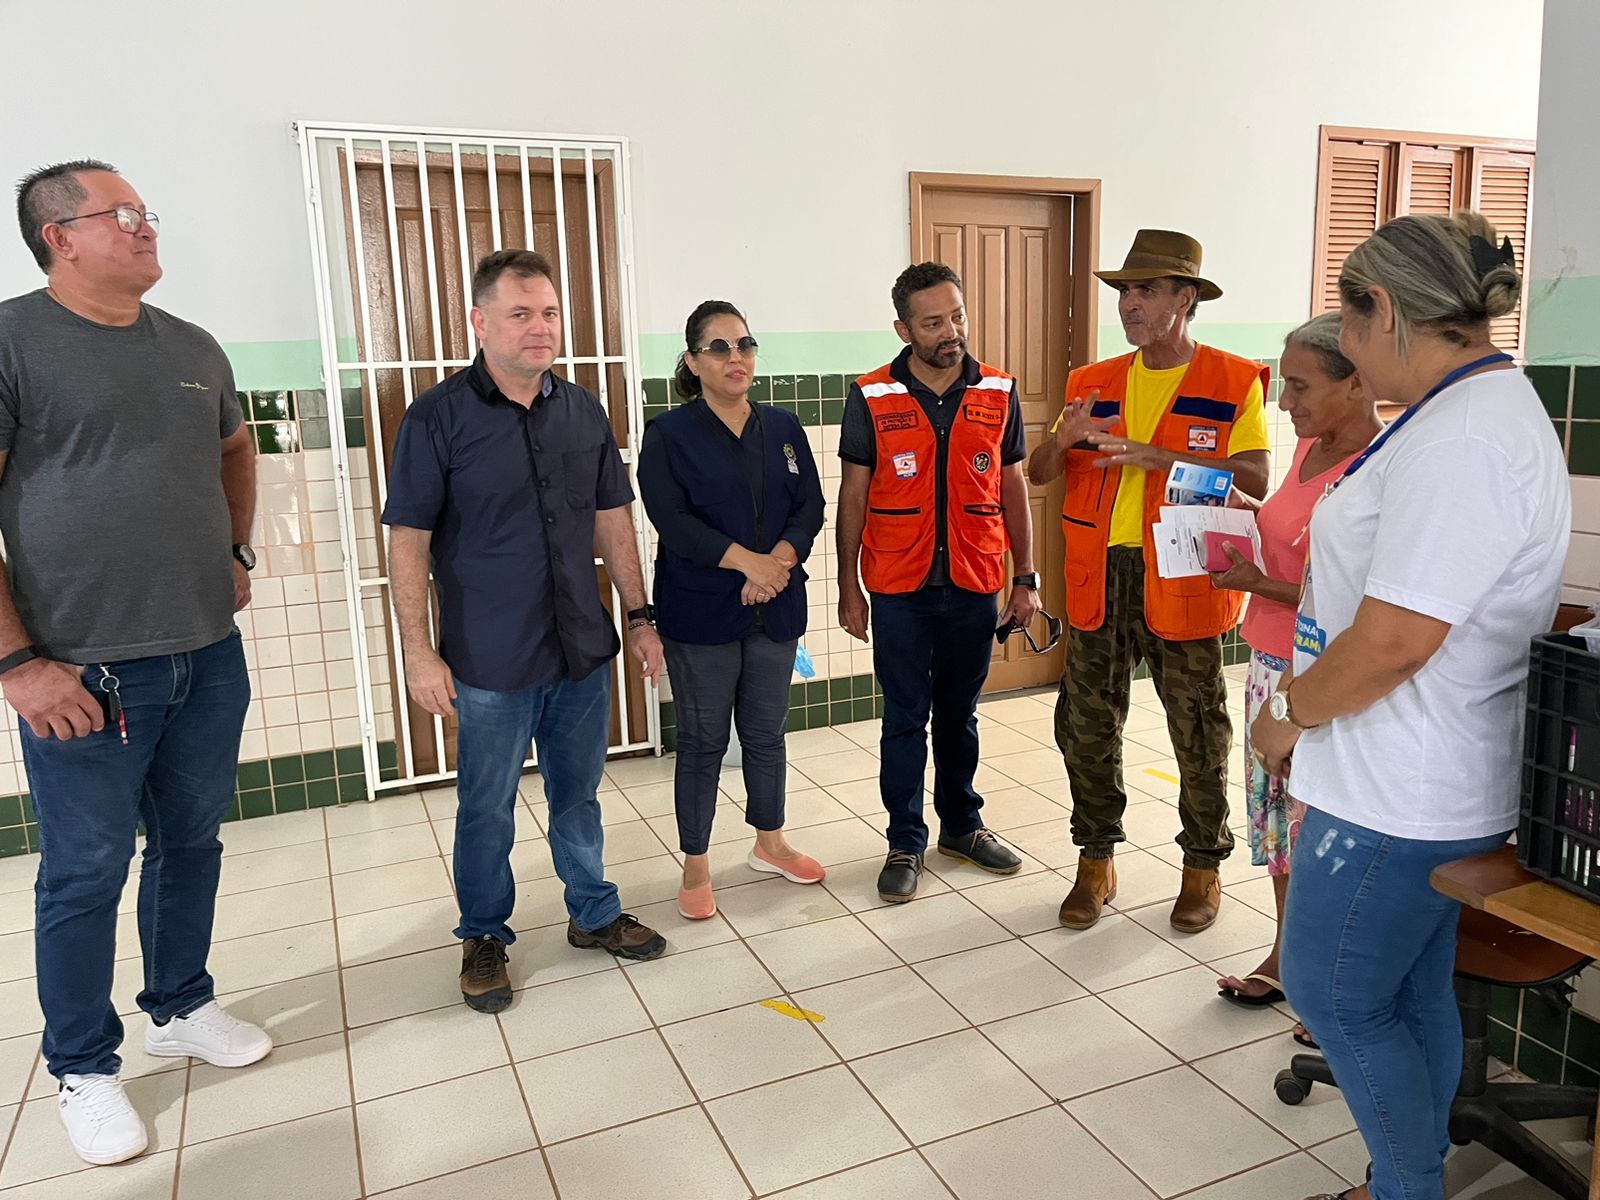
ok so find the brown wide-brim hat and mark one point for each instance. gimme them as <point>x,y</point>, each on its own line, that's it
<point>1163,254</point>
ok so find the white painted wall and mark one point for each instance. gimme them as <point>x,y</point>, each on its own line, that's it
<point>1566,217</point>
<point>771,140</point>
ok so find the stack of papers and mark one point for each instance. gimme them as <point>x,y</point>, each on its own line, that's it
<point>1195,496</point>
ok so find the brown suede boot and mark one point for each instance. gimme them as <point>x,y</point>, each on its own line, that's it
<point>1198,900</point>
<point>1096,885</point>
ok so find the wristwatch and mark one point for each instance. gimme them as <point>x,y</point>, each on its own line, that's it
<point>245,556</point>
<point>1028,581</point>
<point>646,615</point>
<point>1282,710</point>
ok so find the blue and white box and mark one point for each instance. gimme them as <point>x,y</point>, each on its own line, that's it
<point>1190,483</point>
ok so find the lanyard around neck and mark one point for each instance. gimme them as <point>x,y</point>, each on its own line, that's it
<point>1453,377</point>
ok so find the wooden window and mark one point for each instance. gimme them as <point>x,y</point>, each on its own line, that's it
<point>1366,176</point>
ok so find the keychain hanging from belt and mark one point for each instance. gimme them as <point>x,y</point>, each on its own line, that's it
<point>111,687</point>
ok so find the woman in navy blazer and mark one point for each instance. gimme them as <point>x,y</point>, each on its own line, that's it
<point>733,492</point>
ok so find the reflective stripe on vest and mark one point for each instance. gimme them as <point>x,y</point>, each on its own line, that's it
<point>1196,425</point>
<point>901,533</point>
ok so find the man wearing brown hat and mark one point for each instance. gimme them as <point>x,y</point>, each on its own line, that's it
<point>1127,421</point>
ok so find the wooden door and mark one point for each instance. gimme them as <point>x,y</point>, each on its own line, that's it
<point>433,296</point>
<point>1014,253</point>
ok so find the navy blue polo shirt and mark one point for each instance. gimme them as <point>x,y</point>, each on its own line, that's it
<point>510,495</point>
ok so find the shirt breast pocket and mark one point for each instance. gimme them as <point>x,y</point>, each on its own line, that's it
<point>582,471</point>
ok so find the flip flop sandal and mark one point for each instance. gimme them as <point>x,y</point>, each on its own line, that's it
<point>1306,1040</point>
<point>1273,996</point>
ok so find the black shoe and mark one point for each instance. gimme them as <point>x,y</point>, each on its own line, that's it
<point>624,937</point>
<point>485,986</point>
<point>982,849</point>
<point>897,882</point>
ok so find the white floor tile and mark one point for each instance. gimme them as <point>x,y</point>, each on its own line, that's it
<point>146,1178</point>
<point>268,833</point>
<point>391,886</point>
<point>417,1135</point>
<point>944,1087</point>
<point>745,1047</point>
<point>681,933</point>
<point>573,1012</point>
<point>522,1175</point>
<point>244,913</point>
<point>39,1146</point>
<point>855,884</point>
<point>427,1048</point>
<point>808,956</point>
<point>1143,880</point>
<point>775,903</point>
<point>816,743</point>
<point>680,986</point>
<point>1203,1134</point>
<point>878,1012</point>
<point>630,840</point>
<point>397,987</point>
<point>292,1082</point>
<point>382,847</point>
<point>1345,1155</point>
<point>1078,1047</point>
<point>1246,1074</point>
<point>844,767</point>
<point>263,958</point>
<point>1010,808</point>
<point>386,812</point>
<point>1040,766</point>
<point>16,955</point>
<point>665,1158</point>
<point>902,1177</point>
<point>1048,842</point>
<point>390,932</point>
<point>595,1087</point>
<point>841,841</point>
<point>1300,1175</point>
<point>266,868</point>
<point>1183,1012</point>
<point>645,881</point>
<point>997,981</point>
<point>1117,950</point>
<point>930,926</point>
<point>1024,904</point>
<point>861,796</point>
<point>1040,1154</point>
<point>838,1126</point>
<point>17,1058</point>
<point>312,1159</point>
<point>16,911</point>
<point>812,806</point>
<point>963,875</point>
<point>1239,928</point>
<point>291,1011</point>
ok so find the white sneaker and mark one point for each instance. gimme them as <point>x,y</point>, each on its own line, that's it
<point>209,1034</point>
<point>101,1124</point>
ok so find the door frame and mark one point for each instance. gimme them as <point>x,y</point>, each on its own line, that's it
<point>1085,237</point>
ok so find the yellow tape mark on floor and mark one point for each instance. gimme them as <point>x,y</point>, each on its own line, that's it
<point>1162,775</point>
<point>789,1010</point>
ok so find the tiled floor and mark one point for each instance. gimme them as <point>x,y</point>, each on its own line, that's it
<point>812,1043</point>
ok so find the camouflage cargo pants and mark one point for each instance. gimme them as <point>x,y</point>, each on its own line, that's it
<point>1093,704</point>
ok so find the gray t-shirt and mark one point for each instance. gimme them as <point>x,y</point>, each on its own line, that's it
<point>118,542</point>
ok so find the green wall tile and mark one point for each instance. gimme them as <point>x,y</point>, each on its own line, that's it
<point>289,797</point>
<point>254,775</point>
<point>1538,1061</point>
<point>256,803</point>
<point>807,387</point>
<point>14,841</point>
<point>320,765</point>
<point>1583,1041</point>
<point>1551,383</point>
<point>10,811</point>
<point>349,760</point>
<point>1502,1042</point>
<point>1505,1004</point>
<point>290,768</point>
<point>656,390</point>
<point>833,412</point>
<point>783,388</point>
<point>1586,394</point>
<point>352,787</point>
<point>1544,1020</point>
<point>321,793</point>
<point>833,387</point>
<point>761,388</point>
<point>1584,457</point>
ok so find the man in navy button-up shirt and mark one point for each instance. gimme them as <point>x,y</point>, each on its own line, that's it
<point>504,477</point>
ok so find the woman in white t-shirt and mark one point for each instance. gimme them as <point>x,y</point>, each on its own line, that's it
<point>1434,561</point>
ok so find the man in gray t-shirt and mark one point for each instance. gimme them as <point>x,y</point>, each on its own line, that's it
<point>127,489</point>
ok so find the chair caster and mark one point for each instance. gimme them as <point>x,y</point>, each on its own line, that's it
<point>1291,1088</point>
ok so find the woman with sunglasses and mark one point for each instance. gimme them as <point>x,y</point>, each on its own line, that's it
<point>732,490</point>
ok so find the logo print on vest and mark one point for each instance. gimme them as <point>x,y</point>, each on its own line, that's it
<point>905,464</point>
<point>1202,437</point>
<point>983,414</point>
<point>895,421</point>
<point>788,454</point>
<point>981,461</point>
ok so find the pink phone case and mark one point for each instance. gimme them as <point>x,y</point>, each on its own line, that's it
<point>1217,558</point>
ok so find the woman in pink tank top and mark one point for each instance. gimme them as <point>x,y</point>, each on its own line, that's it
<point>1335,419</point>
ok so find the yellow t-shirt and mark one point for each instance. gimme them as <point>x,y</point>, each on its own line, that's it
<point>1149,395</point>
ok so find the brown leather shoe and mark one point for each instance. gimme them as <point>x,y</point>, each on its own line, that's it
<point>624,937</point>
<point>485,986</point>
<point>1095,887</point>
<point>1198,900</point>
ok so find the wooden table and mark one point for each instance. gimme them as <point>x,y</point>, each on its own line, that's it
<point>1496,884</point>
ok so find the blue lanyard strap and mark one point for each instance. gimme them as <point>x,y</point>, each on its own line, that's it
<point>1459,373</point>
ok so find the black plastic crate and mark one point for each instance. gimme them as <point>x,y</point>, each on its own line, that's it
<point>1558,836</point>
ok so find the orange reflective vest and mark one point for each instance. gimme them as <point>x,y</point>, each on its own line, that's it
<point>1196,425</point>
<point>913,460</point>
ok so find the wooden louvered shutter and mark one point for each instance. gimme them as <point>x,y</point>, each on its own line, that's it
<point>1431,181</point>
<point>1353,198</point>
<point>1502,190</point>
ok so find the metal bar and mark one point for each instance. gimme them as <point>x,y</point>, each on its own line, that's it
<point>464,250</point>
<point>571,141</point>
<point>430,257</point>
<point>494,207</point>
<point>561,247</point>
<point>594,277</point>
<point>527,201</point>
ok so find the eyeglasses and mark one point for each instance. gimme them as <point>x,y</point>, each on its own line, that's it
<point>719,347</point>
<point>129,220</point>
<point>1053,624</point>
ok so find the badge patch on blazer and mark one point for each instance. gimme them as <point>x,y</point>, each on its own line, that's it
<point>788,455</point>
<point>905,464</point>
<point>893,421</point>
<point>1202,437</point>
<point>981,461</point>
<point>983,414</point>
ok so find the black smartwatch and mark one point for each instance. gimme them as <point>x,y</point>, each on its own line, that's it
<point>245,556</point>
<point>1027,581</point>
<point>17,657</point>
<point>647,614</point>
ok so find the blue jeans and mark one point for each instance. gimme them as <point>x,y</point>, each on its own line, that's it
<point>177,774</point>
<point>570,723</point>
<point>744,682</point>
<point>931,650</point>
<point>1369,953</point>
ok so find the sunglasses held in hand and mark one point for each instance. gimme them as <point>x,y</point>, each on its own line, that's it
<point>1053,624</point>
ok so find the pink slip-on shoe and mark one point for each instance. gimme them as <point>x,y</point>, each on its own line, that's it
<point>799,869</point>
<point>697,904</point>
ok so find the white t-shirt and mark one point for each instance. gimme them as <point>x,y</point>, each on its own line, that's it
<point>1463,515</point>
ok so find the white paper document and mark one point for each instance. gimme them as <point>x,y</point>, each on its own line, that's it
<point>1180,531</point>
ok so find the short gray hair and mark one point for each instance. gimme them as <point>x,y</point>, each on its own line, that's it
<point>1320,335</point>
<point>1428,266</point>
<point>50,194</point>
